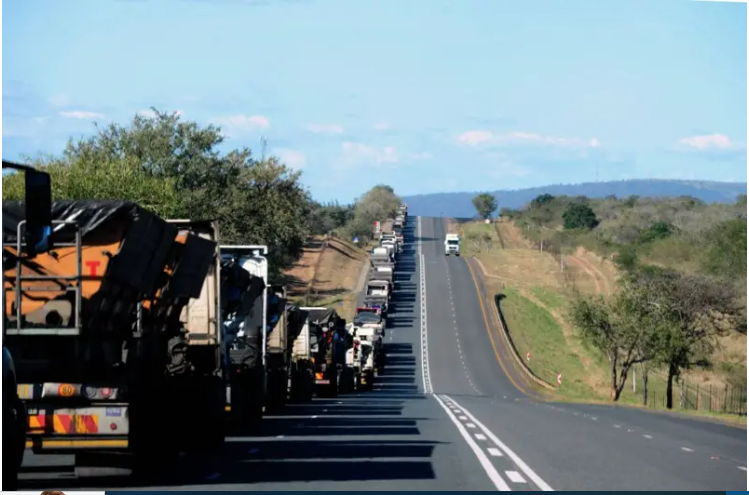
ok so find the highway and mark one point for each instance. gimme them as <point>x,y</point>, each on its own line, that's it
<point>451,412</point>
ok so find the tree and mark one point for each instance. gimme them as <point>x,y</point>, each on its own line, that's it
<point>175,169</point>
<point>620,328</point>
<point>542,200</point>
<point>579,216</point>
<point>691,310</point>
<point>377,204</point>
<point>485,205</point>
<point>726,254</point>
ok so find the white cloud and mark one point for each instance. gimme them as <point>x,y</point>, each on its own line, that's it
<point>325,128</point>
<point>81,115</point>
<point>382,126</point>
<point>59,100</point>
<point>707,142</point>
<point>480,137</point>
<point>353,154</point>
<point>291,158</point>
<point>420,156</point>
<point>236,125</point>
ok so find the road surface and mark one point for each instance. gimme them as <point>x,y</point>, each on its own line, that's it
<point>448,414</point>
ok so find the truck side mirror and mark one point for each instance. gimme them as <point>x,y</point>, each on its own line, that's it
<point>38,212</point>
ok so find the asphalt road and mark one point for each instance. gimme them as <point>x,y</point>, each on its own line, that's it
<point>473,430</point>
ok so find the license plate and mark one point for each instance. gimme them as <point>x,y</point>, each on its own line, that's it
<point>323,382</point>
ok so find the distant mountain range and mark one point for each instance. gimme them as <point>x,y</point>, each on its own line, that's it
<point>458,204</point>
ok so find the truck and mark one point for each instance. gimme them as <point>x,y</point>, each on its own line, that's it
<point>370,328</point>
<point>328,349</point>
<point>304,337</point>
<point>354,360</point>
<point>279,349</point>
<point>452,244</point>
<point>107,332</point>
<point>36,239</point>
<point>244,316</point>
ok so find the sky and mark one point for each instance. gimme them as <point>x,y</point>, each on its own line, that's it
<point>424,95</point>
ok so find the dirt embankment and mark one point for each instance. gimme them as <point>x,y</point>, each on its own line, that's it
<point>327,274</point>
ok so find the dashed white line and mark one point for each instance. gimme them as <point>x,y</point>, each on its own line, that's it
<point>515,477</point>
<point>648,436</point>
<point>535,478</point>
<point>687,449</point>
<point>742,468</point>
<point>463,418</point>
<point>617,426</point>
<point>494,476</point>
<point>479,436</point>
<point>470,425</point>
<point>494,452</point>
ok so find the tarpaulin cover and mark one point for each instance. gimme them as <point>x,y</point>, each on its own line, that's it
<point>89,214</point>
<point>145,238</point>
<point>295,319</point>
<point>323,316</point>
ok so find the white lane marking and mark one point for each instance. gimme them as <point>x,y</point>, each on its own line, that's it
<point>617,426</point>
<point>471,425</point>
<point>512,455</point>
<point>515,477</point>
<point>463,418</point>
<point>279,436</point>
<point>426,377</point>
<point>494,452</point>
<point>479,436</point>
<point>648,436</point>
<point>687,449</point>
<point>494,476</point>
<point>742,468</point>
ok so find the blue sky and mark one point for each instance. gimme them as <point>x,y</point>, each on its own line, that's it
<point>426,95</point>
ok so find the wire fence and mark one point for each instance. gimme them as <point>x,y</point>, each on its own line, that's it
<point>703,398</point>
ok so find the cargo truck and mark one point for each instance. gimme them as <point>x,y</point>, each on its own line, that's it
<point>244,317</point>
<point>107,333</point>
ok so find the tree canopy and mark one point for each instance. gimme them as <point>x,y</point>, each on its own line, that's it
<point>175,169</point>
<point>485,205</point>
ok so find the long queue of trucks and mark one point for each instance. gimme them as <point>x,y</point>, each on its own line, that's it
<point>134,338</point>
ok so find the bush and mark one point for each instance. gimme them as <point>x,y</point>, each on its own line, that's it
<point>726,254</point>
<point>579,216</point>
<point>626,259</point>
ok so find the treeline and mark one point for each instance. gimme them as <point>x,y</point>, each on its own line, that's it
<point>683,265</point>
<point>682,233</point>
<point>175,169</point>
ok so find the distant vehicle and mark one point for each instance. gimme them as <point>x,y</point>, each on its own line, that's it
<point>452,244</point>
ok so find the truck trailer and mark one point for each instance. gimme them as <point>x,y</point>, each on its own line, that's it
<point>105,338</point>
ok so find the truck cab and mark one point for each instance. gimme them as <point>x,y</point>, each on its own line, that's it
<point>452,245</point>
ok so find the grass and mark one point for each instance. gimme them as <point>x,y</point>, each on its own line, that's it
<point>535,306</point>
<point>534,330</point>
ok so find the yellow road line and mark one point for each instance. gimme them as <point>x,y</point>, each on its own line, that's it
<point>488,331</point>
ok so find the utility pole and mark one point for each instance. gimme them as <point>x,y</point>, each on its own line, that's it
<point>263,144</point>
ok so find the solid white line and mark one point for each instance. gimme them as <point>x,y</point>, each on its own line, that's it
<point>494,452</point>
<point>515,477</point>
<point>479,436</point>
<point>687,449</point>
<point>512,455</point>
<point>494,476</point>
<point>742,468</point>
